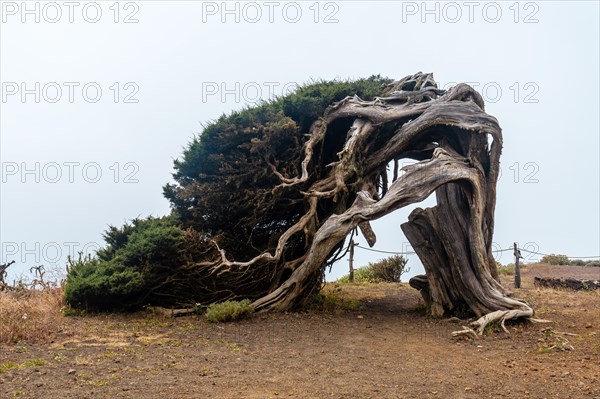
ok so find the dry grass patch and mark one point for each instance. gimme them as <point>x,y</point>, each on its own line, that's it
<point>30,315</point>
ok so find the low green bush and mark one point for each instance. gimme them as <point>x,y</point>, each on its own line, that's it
<point>509,269</point>
<point>555,259</point>
<point>361,275</point>
<point>229,311</point>
<point>595,263</point>
<point>389,269</point>
<point>578,262</point>
<point>581,262</point>
<point>137,256</point>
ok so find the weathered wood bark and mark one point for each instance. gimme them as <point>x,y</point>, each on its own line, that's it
<point>457,146</point>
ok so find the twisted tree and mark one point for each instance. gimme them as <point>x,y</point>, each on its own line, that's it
<point>266,197</point>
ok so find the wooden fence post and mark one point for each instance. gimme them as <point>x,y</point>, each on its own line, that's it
<point>517,254</point>
<point>351,275</point>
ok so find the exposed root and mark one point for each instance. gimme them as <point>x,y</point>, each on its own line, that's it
<point>500,316</point>
<point>534,320</point>
<point>465,332</point>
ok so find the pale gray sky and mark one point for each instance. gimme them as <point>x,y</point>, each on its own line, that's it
<point>120,88</point>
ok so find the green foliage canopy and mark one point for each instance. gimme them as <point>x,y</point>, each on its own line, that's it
<point>224,183</point>
<point>223,193</point>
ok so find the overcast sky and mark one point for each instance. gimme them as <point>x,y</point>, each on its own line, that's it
<point>98,98</point>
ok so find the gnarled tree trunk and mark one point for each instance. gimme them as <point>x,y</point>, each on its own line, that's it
<point>343,183</point>
<point>458,147</point>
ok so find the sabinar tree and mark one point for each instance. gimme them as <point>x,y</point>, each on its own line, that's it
<point>263,200</point>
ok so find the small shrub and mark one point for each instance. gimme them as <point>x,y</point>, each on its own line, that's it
<point>581,262</point>
<point>555,259</point>
<point>361,275</point>
<point>509,269</point>
<point>229,311</point>
<point>578,262</point>
<point>389,269</point>
<point>138,256</point>
<point>595,263</point>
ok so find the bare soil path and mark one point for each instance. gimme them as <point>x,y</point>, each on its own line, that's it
<point>372,342</point>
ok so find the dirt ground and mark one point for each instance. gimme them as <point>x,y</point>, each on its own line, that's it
<point>374,342</point>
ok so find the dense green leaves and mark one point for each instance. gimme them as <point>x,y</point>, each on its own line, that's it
<point>223,192</point>
<point>228,311</point>
<point>388,269</point>
<point>136,257</point>
<point>223,182</point>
